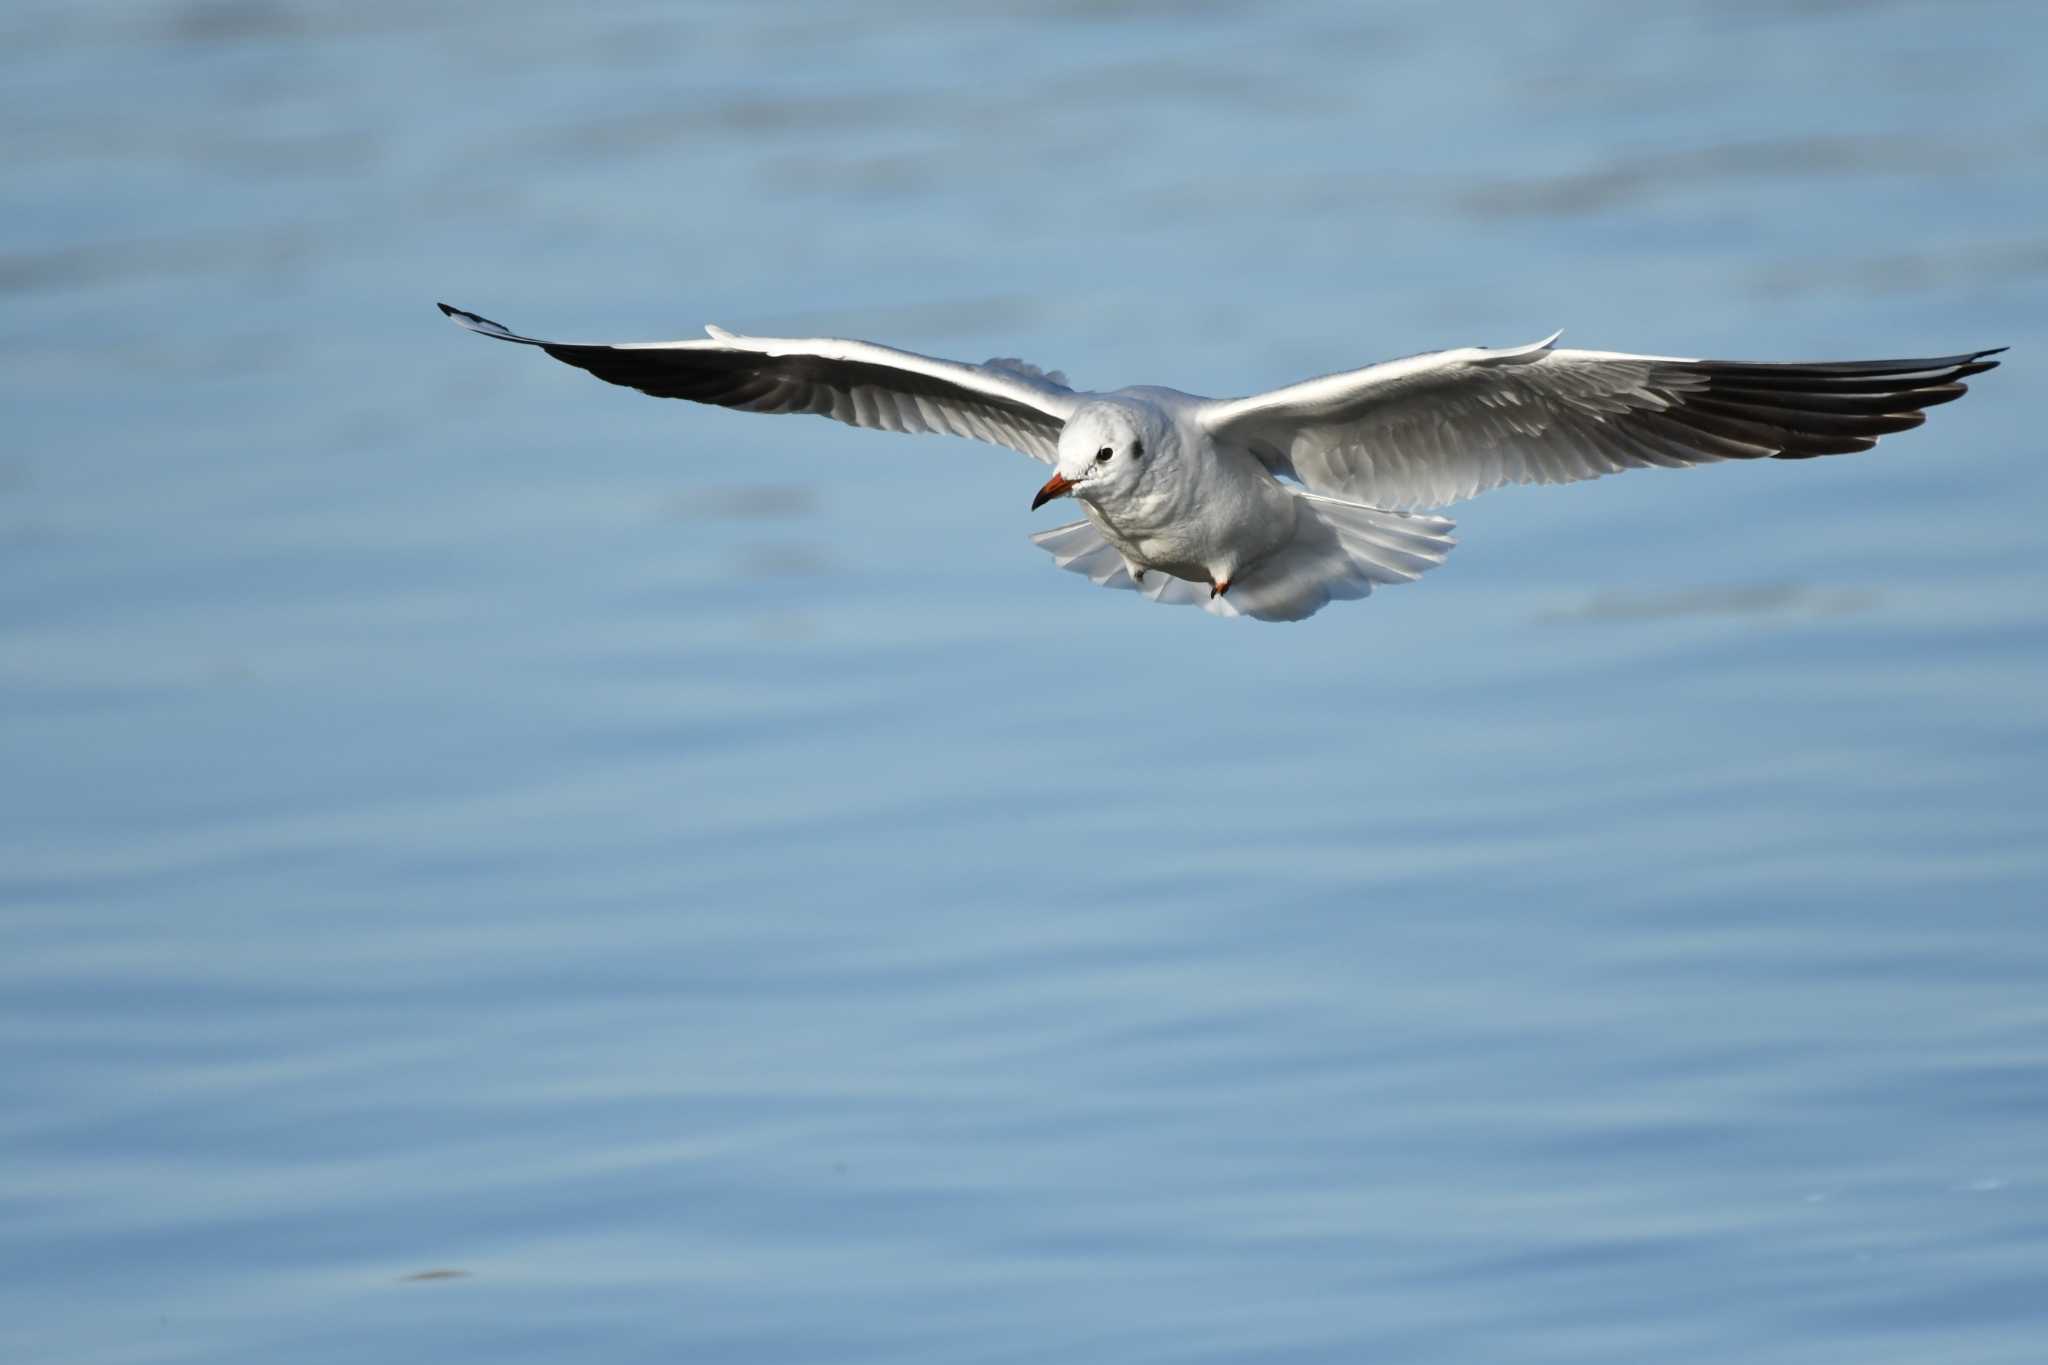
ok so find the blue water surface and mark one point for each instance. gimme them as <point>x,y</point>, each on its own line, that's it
<point>497,869</point>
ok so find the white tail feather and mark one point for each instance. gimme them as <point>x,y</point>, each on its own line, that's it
<point>1340,550</point>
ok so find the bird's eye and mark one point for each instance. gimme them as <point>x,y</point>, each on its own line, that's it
<point>1102,455</point>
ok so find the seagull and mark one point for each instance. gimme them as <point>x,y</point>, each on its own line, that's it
<point>1275,505</point>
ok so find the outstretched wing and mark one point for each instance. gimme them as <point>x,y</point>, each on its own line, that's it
<point>1004,402</point>
<point>1436,428</point>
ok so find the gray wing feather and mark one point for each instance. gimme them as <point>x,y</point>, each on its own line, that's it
<point>860,383</point>
<point>1434,429</point>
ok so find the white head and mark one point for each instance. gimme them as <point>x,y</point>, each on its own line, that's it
<point>1108,449</point>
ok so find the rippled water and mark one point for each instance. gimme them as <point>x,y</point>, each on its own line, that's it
<point>499,869</point>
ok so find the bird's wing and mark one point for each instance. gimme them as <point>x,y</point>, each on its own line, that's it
<point>1005,402</point>
<point>1436,428</point>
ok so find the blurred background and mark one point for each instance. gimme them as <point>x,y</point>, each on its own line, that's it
<point>497,868</point>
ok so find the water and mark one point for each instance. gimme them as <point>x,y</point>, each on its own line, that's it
<point>498,869</point>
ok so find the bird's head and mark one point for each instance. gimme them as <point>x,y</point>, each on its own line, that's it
<point>1106,449</point>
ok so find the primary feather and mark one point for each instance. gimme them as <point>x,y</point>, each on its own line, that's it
<point>1438,428</point>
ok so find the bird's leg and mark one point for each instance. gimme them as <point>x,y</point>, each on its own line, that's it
<point>1218,587</point>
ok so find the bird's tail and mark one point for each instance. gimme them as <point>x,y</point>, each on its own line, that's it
<point>1339,550</point>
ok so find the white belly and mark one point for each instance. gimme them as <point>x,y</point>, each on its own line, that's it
<point>1211,529</point>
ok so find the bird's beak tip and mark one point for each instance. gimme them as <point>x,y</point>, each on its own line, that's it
<point>1057,486</point>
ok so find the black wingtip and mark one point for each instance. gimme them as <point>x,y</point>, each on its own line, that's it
<point>1978,362</point>
<point>474,323</point>
<point>467,318</point>
<point>1975,363</point>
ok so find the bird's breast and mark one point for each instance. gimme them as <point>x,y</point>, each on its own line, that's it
<point>1214,520</point>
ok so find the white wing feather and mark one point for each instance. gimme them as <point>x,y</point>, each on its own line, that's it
<point>1434,429</point>
<point>1005,402</point>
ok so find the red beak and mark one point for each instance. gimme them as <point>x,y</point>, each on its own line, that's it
<point>1057,486</point>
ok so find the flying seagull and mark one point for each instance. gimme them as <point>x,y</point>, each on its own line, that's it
<point>1274,505</point>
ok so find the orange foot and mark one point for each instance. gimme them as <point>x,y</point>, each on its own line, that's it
<point>1219,587</point>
